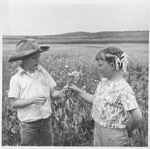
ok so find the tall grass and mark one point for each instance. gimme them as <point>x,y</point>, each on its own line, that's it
<point>72,122</point>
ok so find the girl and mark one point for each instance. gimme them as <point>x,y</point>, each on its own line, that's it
<point>115,109</point>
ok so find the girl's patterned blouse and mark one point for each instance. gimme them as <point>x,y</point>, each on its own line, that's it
<point>112,101</point>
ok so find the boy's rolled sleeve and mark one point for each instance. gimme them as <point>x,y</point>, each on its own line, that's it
<point>14,89</point>
<point>128,100</point>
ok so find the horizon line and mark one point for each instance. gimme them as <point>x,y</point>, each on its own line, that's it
<point>74,32</point>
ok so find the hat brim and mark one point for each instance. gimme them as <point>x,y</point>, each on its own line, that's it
<point>21,55</point>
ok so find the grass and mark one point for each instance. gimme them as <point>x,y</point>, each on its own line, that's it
<point>72,123</point>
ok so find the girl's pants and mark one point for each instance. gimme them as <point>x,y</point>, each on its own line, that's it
<point>40,130</point>
<point>110,137</point>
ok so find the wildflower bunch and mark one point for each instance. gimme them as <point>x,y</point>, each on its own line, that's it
<point>73,78</point>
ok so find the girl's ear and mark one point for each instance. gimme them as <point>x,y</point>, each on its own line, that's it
<point>113,66</point>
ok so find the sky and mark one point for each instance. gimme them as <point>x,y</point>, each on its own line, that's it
<point>48,17</point>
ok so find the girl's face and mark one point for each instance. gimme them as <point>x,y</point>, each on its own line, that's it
<point>104,67</point>
<point>31,62</point>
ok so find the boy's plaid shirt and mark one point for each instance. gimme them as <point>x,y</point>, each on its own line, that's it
<point>112,101</point>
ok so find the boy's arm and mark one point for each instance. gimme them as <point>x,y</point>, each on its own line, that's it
<point>19,103</point>
<point>135,120</point>
<point>16,103</point>
<point>53,92</point>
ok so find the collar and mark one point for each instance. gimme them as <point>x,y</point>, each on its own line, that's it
<point>21,70</point>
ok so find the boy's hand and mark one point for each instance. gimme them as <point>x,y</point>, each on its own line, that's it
<point>40,101</point>
<point>57,93</point>
<point>61,93</point>
<point>74,88</point>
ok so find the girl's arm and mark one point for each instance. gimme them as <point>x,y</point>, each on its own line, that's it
<point>135,120</point>
<point>85,96</point>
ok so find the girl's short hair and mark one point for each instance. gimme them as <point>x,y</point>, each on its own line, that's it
<point>114,55</point>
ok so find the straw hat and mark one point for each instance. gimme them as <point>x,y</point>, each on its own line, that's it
<point>25,48</point>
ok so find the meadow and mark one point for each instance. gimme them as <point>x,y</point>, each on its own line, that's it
<point>72,122</point>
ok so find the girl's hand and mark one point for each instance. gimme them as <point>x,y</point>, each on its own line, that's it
<point>130,134</point>
<point>74,88</point>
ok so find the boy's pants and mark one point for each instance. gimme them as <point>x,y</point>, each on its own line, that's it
<point>110,137</point>
<point>41,129</point>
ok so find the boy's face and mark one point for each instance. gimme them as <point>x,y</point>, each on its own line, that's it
<point>31,62</point>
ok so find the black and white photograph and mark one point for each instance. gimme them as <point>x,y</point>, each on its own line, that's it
<point>75,73</point>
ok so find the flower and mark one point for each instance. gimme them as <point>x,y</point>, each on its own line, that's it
<point>66,87</point>
<point>66,66</point>
<point>74,74</point>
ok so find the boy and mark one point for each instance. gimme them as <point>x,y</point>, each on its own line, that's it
<point>31,90</point>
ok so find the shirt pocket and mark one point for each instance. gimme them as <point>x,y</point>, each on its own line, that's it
<point>24,83</point>
<point>44,82</point>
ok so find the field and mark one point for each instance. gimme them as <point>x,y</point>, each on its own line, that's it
<point>72,123</point>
